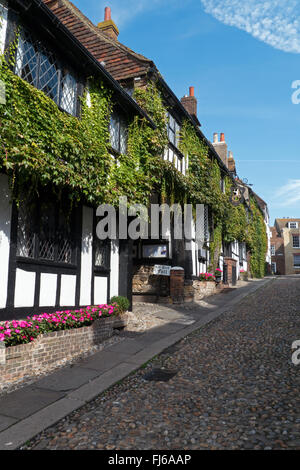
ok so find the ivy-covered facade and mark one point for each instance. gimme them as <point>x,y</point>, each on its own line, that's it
<point>74,136</point>
<point>65,148</point>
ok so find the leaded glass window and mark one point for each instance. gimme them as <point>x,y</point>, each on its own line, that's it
<point>173,130</point>
<point>40,67</point>
<point>48,75</point>
<point>102,249</point>
<point>27,59</point>
<point>46,233</point>
<point>26,233</point>
<point>118,132</point>
<point>68,93</point>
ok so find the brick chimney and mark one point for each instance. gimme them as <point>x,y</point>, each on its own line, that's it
<point>108,26</point>
<point>190,102</point>
<point>221,147</point>
<point>231,163</point>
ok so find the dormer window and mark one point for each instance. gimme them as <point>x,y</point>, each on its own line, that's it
<point>293,224</point>
<point>3,25</point>
<point>39,67</point>
<point>118,132</point>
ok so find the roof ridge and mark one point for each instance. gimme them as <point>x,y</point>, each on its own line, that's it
<point>68,4</point>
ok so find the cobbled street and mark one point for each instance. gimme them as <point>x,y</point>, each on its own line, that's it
<point>235,388</point>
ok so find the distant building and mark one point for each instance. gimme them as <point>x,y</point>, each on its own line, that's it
<point>285,246</point>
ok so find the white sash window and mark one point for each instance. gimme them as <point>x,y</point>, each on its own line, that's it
<point>3,25</point>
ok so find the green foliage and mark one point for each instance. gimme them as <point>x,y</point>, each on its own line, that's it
<point>257,241</point>
<point>42,146</point>
<point>123,303</point>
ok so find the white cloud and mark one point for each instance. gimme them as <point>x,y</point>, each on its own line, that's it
<point>289,194</point>
<point>275,22</point>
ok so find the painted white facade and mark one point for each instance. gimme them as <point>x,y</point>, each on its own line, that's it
<point>67,290</point>
<point>25,288</point>
<point>86,256</point>
<point>100,290</point>
<point>48,288</point>
<point>114,266</point>
<point>5,228</point>
<point>3,24</point>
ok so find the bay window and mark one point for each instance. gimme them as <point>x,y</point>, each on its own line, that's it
<point>45,233</point>
<point>40,67</point>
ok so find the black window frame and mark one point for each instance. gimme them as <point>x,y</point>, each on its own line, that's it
<point>173,131</point>
<point>122,122</point>
<point>34,211</point>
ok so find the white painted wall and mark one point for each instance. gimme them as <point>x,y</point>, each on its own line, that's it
<point>114,266</point>
<point>25,288</point>
<point>100,290</point>
<point>86,256</point>
<point>5,227</point>
<point>68,290</point>
<point>48,290</point>
<point>3,24</point>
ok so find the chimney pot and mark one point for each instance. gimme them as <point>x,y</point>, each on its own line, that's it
<point>107,26</point>
<point>222,137</point>
<point>107,15</point>
<point>216,138</point>
<point>192,91</point>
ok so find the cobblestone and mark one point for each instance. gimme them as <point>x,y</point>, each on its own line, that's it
<point>235,388</point>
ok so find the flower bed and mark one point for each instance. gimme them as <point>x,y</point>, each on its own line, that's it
<point>207,277</point>
<point>15,332</point>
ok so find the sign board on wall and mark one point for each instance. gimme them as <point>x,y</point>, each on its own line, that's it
<point>162,270</point>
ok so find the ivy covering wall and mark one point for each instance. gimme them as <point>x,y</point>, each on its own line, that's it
<point>42,146</point>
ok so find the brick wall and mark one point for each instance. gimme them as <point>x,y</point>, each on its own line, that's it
<point>145,282</point>
<point>49,351</point>
<point>279,257</point>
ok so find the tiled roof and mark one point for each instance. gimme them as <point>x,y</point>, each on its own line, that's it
<point>282,223</point>
<point>120,61</point>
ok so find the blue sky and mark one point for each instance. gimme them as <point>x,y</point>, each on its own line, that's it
<point>242,58</point>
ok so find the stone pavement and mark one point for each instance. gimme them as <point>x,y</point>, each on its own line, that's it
<point>27,412</point>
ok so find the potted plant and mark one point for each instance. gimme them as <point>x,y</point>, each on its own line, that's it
<point>122,306</point>
<point>218,274</point>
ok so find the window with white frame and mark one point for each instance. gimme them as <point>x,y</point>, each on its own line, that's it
<point>39,66</point>
<point>273,251</point>
<point>297,261</point>
<point>274,268</point>
<point>293,224</point>
<point>296,241</point>
<point>118,132</point>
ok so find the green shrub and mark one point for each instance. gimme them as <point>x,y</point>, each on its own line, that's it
<point>122,303</point>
